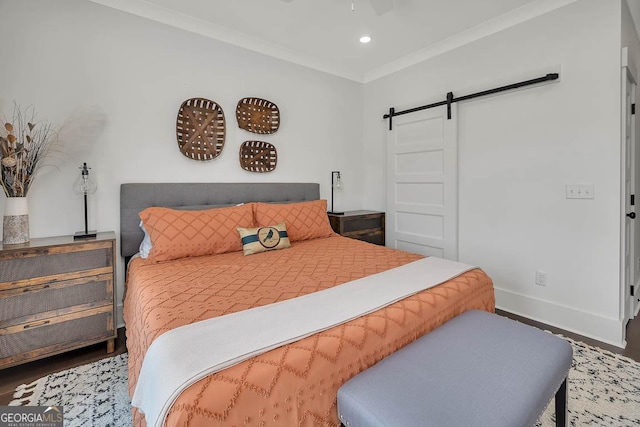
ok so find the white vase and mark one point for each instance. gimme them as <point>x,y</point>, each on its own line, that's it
<point>15,224</point>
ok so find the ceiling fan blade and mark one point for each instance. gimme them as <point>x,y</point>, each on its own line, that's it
<point>382,6</point>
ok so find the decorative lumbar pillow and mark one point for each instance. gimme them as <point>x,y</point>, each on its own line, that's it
<point>305,220</point>
<point>183,233</point>
<point>261,239</point>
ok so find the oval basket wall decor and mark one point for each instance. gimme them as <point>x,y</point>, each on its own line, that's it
<point>258,156</point>
<point>200,129</point>
<point>258,115</point>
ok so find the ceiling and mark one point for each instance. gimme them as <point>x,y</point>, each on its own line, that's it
<point>324,34</point>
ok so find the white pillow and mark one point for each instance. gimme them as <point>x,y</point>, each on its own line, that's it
<point>145,246</point>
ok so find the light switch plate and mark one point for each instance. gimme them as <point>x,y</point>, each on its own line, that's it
<point>580,191</point>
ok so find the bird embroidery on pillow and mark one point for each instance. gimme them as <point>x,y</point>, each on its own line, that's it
<point>269,237</point>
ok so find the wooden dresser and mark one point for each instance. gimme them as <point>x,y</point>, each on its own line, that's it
<point>362,225</point>
<point>56,294</point>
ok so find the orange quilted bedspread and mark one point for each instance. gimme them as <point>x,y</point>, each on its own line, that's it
<point>295,384</point>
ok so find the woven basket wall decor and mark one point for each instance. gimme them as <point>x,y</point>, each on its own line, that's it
<point>258,156</point>
<point>258,115</point>
<point>200,129</point>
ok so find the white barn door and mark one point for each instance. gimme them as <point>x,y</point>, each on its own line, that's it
<point>422,183</point>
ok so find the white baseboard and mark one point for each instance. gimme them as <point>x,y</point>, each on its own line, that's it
<point>604,329</point>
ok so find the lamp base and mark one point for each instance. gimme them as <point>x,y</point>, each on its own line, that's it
<point>335,213</point>
<point>91,234</point>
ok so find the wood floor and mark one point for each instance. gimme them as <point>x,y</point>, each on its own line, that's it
<point>12,377</point>
<point>632,350</point>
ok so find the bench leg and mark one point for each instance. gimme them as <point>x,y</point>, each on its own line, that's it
<point>561,405</point>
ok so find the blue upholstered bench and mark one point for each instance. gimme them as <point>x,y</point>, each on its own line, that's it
<point>478,369</point>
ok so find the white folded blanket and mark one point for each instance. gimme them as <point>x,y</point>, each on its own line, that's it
<point>183,356</point>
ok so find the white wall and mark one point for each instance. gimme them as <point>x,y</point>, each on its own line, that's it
<point>518,150</point>
<point>63,55</point>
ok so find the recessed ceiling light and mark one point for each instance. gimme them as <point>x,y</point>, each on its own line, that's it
<point>365,39</point>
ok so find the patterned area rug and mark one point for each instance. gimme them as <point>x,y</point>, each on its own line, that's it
<point>92,395</point>
<point>604,390</point>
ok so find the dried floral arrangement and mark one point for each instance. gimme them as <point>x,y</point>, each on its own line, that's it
<point>29,147</point>
<point>24,143</point>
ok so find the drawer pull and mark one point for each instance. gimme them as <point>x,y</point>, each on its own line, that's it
<point>29,290</point>
<point>34,325</point>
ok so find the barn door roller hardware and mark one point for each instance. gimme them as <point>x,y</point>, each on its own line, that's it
<point>450,99</point>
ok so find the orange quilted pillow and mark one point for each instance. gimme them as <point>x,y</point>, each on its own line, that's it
<point>179,234</point>
<point>304,220</point>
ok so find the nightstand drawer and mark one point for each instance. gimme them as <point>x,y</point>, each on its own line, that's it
<point>362,223</point>
<point>51,262</point>
<point>41,338</point>
<point>29,300</point>
<point>367,226</point>
<point>375,238</point>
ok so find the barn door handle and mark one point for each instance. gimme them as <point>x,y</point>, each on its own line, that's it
<point>631,215</point>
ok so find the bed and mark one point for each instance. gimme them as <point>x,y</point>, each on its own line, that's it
<point>296,383</point>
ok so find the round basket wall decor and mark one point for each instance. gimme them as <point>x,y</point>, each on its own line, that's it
<point>258,156</point>
<point>258,115</point>
<point>200,129</point>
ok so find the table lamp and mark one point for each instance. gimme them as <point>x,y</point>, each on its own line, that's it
<point>85,185</point>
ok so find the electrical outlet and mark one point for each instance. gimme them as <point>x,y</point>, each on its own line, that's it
<point>541,278</point>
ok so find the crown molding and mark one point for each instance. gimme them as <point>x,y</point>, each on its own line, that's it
<point>199,26</point>
<point>509,19</point>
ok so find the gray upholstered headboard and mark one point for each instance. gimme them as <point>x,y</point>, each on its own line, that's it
<point>138,196</point>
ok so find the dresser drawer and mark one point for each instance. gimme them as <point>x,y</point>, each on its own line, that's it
<point>24,301</point>
<point>56,294</point>
<point>47,263</point>
<point>40,339</point>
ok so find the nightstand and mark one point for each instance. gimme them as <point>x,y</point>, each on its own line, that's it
<point>362,225</point>
<point>56,294</point>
